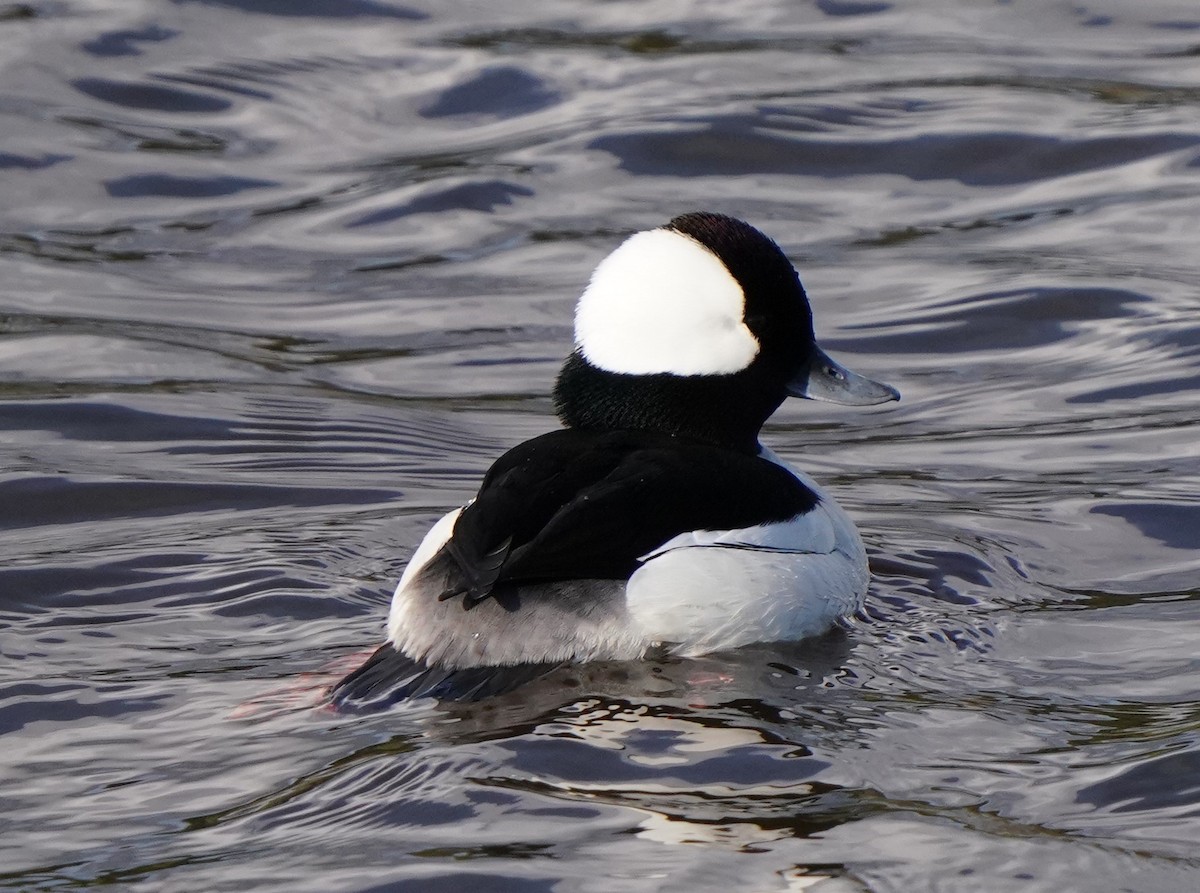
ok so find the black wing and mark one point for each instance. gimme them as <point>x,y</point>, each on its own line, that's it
<point>587,505</point>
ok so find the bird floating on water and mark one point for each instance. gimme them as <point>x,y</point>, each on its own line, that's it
<point>653,519</point>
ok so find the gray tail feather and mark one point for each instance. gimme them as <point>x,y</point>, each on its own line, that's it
<point>389,676</point>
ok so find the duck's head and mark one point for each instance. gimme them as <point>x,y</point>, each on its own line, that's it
<point>700,328</point>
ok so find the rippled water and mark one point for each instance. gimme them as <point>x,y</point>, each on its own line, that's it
<point>280,278</point>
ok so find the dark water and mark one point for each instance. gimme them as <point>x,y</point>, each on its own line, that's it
<point>279,280</point>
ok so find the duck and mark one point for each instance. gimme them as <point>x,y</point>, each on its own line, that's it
<point>653,521</point>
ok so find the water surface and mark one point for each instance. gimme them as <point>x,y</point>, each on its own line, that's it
<point>280,280</point>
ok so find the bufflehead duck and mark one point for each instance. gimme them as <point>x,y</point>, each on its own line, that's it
<point>654,520</point>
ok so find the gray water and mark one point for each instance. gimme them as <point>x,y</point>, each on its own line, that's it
<point>279,279</point>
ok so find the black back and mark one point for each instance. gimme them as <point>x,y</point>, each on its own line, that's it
<point>576,505</point>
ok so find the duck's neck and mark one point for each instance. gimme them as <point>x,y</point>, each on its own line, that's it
<point>724,410</point>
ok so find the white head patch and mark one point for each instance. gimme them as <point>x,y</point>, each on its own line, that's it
<point>662,302</point>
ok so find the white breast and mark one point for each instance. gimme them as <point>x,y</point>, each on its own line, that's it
<point>707,591</point>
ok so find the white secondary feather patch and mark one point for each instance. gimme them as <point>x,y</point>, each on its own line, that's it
<point>662,302</point>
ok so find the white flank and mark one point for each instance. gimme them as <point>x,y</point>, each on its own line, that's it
<point>401,604</point>
<point>662,302</point>
<point>710,591</point>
